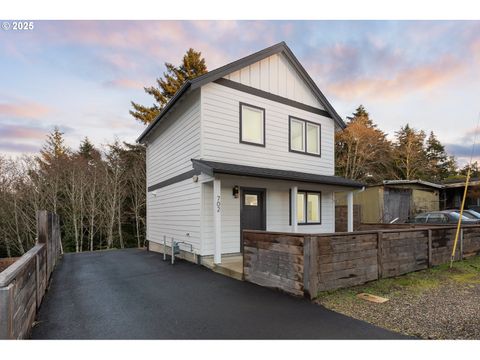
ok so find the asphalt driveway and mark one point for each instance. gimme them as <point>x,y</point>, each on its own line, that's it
<point>133,294</point>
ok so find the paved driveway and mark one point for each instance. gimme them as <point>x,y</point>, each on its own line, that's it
<point>133,294</point>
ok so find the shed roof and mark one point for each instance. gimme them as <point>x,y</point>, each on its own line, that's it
<point>220,72</point>
<point>412,182</point>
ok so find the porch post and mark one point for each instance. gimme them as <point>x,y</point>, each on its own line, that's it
<point>293,213</point>
<point>217,207</point>
<point>350,211</point>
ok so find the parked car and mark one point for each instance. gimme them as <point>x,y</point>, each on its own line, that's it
<point>442,217</point>
<point>471,214</point>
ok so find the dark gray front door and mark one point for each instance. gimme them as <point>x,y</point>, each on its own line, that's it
<point>252,210</point>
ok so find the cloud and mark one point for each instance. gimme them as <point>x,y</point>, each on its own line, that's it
<point>24,109</point>
<point>460,150</point>
<point>416,78</point>
<point>16,132</point>
<point>124,83</point>
<point>19,148</point>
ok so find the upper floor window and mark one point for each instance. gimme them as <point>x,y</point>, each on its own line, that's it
<point>252,125</point>
<point>304,136</point>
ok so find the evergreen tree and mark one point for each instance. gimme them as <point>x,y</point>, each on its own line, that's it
<point>410,158</point>
<point>87,150</point>
<point>440,165</point>
<point>192,66</point>
<point>54,148</point>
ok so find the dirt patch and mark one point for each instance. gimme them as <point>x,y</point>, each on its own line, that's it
<point>439,303</point>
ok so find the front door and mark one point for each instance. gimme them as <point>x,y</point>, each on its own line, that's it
<point>252,210</point>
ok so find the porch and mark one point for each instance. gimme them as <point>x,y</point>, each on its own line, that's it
<point>236,198</point>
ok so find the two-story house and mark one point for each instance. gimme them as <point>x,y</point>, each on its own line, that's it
<point>249,145</point>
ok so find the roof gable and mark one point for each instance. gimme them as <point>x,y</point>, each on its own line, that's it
<point>276,75</point>
<point>231,68</point>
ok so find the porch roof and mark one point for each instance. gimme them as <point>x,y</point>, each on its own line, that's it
<point>212,167</point>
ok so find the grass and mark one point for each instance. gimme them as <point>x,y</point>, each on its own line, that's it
<point>464,272</point>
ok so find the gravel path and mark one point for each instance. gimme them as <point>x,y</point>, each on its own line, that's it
<point>448,309</point>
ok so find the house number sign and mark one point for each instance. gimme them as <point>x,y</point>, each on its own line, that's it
<point>218,203</point>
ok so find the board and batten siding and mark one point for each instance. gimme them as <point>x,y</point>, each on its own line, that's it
<point>221,131</point>
<point>276,75</point>
<point>175,142</point>
<point>174,211</point>
<point>277,211</point>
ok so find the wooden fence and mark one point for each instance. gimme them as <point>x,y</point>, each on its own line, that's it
<point>23,284</point>
<point>306,264</point>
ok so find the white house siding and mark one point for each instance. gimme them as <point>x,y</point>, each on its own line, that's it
<point>277,211</point>
<point>276,75</point>
<point>174,211</point>
<point>220,133</point>
<point>175,142</point>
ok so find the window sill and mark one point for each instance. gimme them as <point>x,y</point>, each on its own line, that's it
<point>251,143</point>
<point>304,153</point>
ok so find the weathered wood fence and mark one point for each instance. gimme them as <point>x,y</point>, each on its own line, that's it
<point>23,284</point>
<point>306,264</point>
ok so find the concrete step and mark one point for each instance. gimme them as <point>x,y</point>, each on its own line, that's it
<point>231,266</point>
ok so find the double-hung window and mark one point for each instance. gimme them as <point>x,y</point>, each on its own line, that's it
<point>308,207</point>
<point>252,125</point>
<point>304,136</point>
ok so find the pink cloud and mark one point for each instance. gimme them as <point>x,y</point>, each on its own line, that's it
<point>15,132</point>
<point>24,110</point>
<point>125,84</point>
<point>421,77</point>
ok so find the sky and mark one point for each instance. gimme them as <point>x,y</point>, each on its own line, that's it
<point>82,75</point>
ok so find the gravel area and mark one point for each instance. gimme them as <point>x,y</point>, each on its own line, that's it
<point>438,303</point>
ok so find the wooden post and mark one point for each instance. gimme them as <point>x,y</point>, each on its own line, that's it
<point>310,267</point>
<point>430,260</point>
<point>42,236</point>
<point>379,254</point>
<point>37,281</point>
<point>313,267</point>
<point>217,218</point>
<point>307,240</point>
<point>42,227</point>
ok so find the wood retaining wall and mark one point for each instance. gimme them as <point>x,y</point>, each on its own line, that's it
<point>23,283</point>
<point>306,264</point>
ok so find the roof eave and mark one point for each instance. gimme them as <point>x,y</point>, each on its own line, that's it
<point>210,170</point>
<point>165,110</point>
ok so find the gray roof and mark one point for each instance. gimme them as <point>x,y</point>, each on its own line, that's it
<point>220,72</point>
<point>409,182</point>
<point>213,167</point>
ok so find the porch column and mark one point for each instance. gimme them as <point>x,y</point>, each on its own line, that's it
<point>217,207</point>
<point>350,211</point>
<point>293,213</point>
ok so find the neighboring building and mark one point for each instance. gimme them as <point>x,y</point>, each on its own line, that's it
<point>452,194</point>
<point>249,145</point>
<point>395,200</point>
